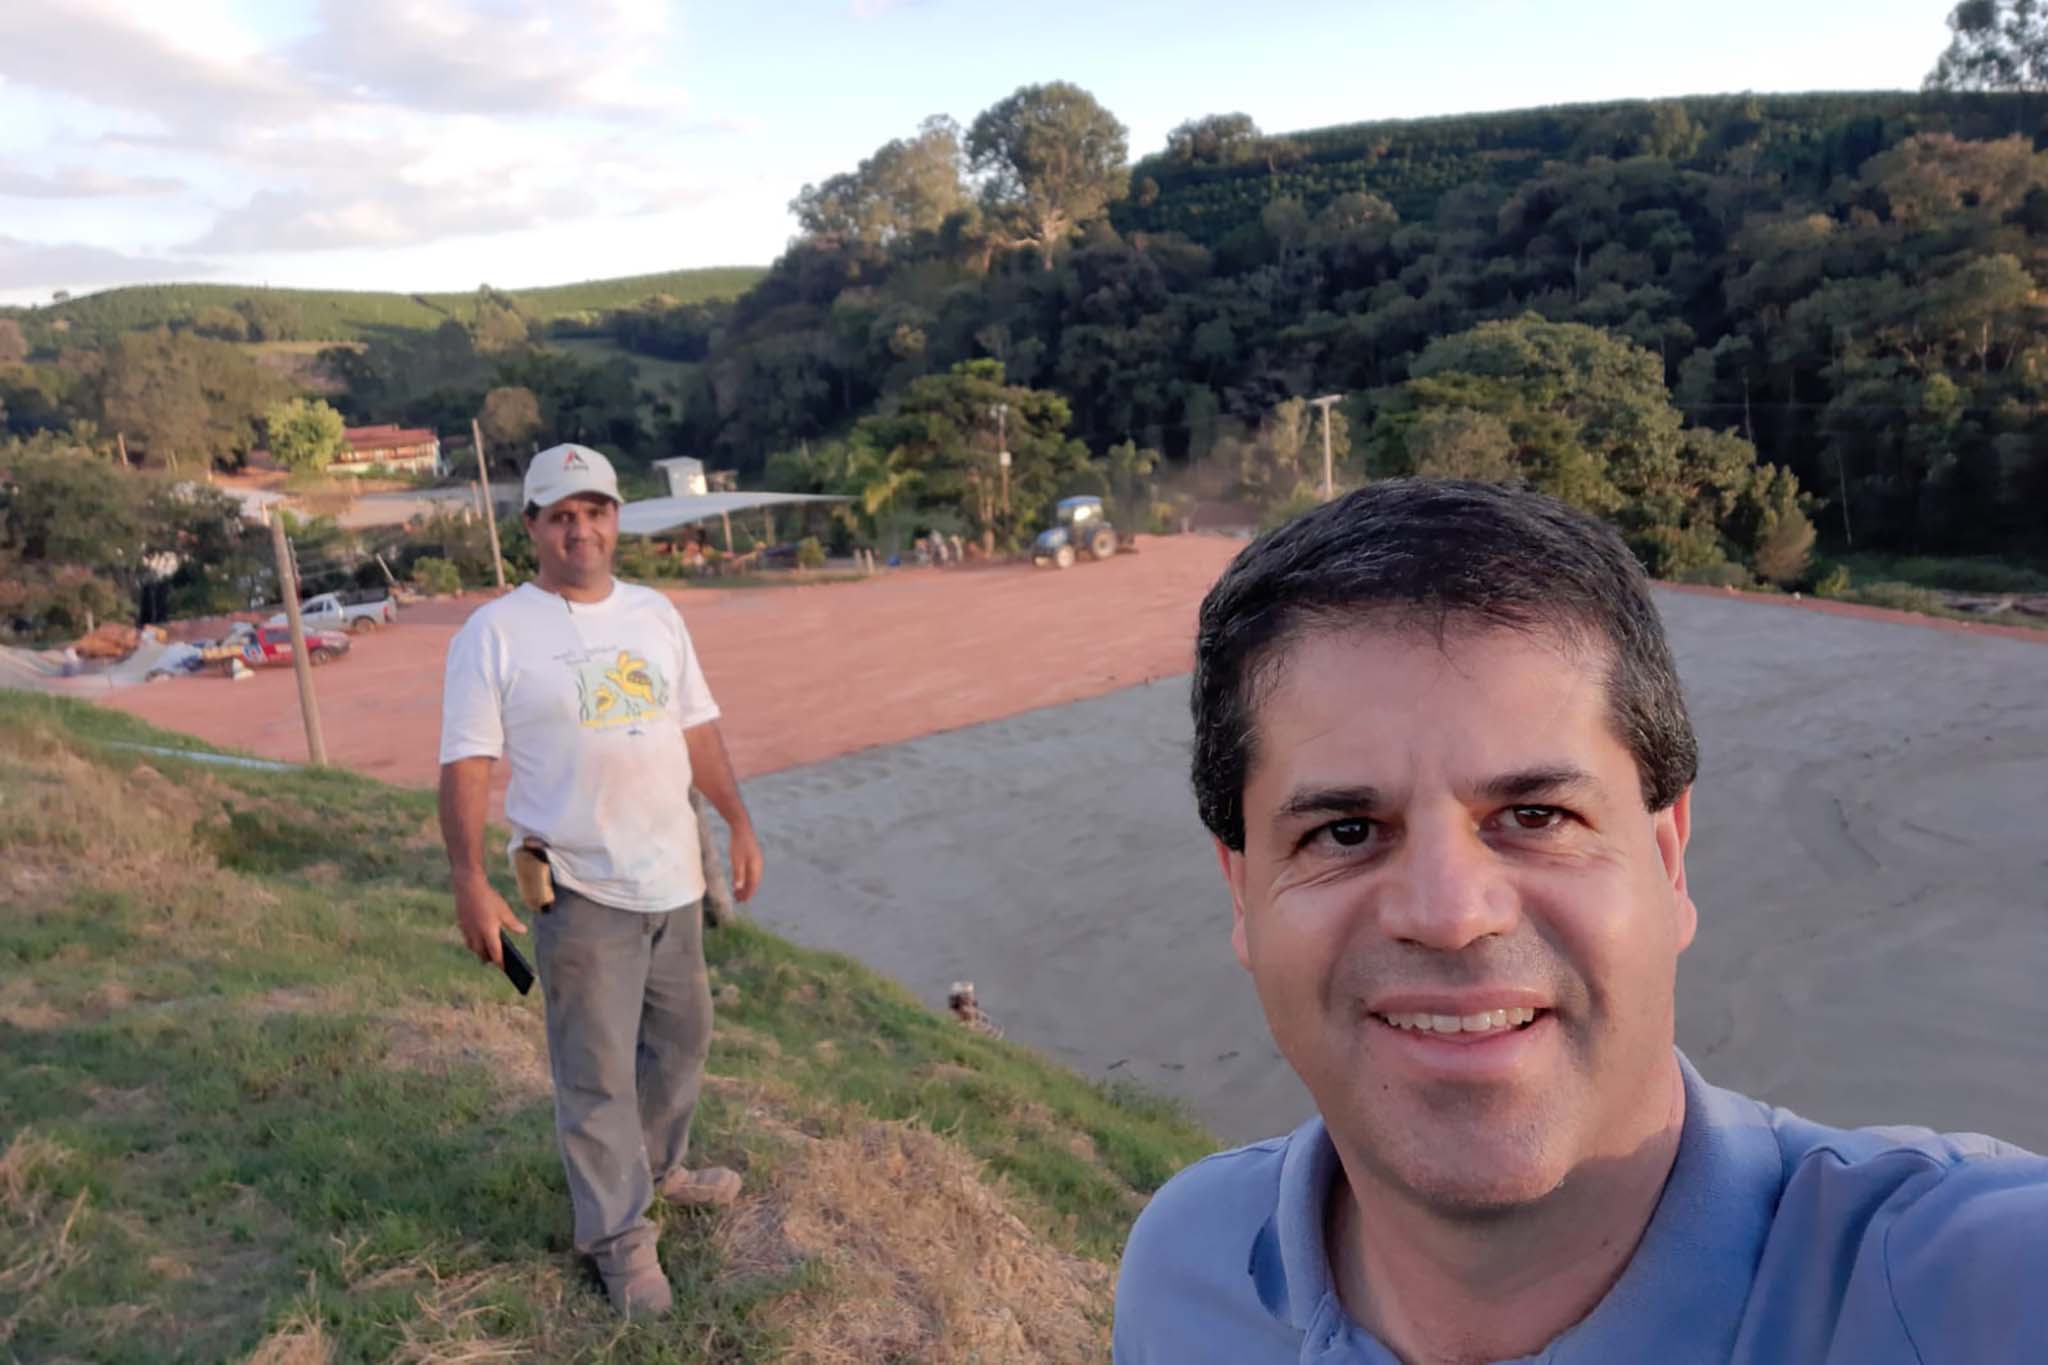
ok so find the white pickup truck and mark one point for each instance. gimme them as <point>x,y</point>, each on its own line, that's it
<point>332,611</point>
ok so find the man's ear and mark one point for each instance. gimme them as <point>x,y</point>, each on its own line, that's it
<point>1673,832</point>
<point>1232,863</point>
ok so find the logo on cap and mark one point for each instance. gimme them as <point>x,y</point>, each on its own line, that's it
<point>573,461</point>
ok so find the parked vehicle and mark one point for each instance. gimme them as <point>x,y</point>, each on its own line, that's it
<point>354,612</point>
<point>261,646</point>
<point>1079,529</point>
<point>176,661</point>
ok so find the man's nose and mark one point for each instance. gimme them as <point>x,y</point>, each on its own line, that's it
<point>1448,889</point>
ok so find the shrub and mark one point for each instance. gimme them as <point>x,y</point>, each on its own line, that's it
<point>437,576</point>
<point>639,562</point>
<point>1287,509</point>
<point>1899,597</point>
<point>1972,575</point>
<point>810,554</point>
<point>1722,575</point>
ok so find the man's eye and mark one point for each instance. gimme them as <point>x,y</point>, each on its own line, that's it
<point>1348,833</point>
<point>1536,817</point>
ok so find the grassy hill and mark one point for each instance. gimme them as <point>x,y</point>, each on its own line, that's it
<point>1804,139</point>
<point>259,1105</point>
<point>347,315</point>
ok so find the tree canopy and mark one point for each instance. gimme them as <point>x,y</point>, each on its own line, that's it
<point>1999,45</point>
<point>185,400</point>
<point>303,433</point>
<point>1052,159</point>
<point>909,185</point>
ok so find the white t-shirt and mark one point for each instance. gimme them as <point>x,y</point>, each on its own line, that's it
<point>588,701</point>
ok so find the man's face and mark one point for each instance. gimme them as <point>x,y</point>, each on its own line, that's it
<point>573,539</point>
<point>1450,831</point>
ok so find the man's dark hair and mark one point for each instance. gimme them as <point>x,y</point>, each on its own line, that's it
<point>1433,554</point>
<point>530,511</point>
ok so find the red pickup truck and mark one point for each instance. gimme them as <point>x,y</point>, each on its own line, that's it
<point>258,646</point>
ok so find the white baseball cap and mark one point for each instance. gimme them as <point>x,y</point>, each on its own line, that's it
<point>565,470</point>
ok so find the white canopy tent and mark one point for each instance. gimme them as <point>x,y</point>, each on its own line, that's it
<point>652,516</point>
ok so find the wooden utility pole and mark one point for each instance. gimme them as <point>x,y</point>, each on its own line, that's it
<point>288,587</point>
<point>483,476</point>
<point>1003,455</point>
<point>1329,483</point>
<point>725,518</point>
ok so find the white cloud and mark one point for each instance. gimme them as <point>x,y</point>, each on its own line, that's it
<point>82,182</point>
<point>520,57</point>
<point>99,51</point>
<point>49,265</point>
<point>384,123</point>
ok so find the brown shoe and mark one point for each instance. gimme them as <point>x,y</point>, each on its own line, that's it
<point>713,1187</point>
<point>639,1292</point>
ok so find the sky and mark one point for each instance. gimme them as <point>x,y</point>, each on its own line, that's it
<point>443,144</point>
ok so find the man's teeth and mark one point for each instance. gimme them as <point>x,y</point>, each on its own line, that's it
<point>1486,1021</point>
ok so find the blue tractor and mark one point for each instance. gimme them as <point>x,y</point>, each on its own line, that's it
<point>1079,529</point>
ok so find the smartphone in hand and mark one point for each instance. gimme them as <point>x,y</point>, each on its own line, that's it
<point>517,969</point>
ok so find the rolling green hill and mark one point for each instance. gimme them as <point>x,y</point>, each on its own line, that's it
<point>1803,140</point>
<point>349,315</point>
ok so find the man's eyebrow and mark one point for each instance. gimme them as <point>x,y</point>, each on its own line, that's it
<point>1307,801</point>
<point>1530,783</point>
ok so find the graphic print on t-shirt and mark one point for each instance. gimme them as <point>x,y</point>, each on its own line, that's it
<point>616,687</point>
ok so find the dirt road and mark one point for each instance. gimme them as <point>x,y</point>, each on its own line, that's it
<point>804,673</point>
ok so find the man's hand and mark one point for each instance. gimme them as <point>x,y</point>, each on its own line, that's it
<point>481,912</point>
<point>747,863</point>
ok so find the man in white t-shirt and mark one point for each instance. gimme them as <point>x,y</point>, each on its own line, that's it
<point>590,689</point>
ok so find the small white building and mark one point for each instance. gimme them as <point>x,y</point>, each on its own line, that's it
<point>685,476</point>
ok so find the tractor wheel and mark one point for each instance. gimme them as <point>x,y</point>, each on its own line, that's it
<point>362,625</point>
<point>1102,545</point>
<point>1064,557</point>
<point>321,655</point>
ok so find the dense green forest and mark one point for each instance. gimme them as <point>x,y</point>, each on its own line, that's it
<point>1846,282</point>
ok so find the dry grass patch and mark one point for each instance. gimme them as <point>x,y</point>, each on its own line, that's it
<point>299,1340</point>
<point>457,1317</point>
<point>507,1040</point>
<point>452,1326</point>
<point>23,1008</point>
<point>40,1236</point>
<point>70,823</point>
<point>923,1260</point>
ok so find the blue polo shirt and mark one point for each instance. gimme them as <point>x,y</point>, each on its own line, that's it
<point>1776,1242</point>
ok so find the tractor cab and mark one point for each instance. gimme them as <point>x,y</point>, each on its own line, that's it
<point>1079,527</point>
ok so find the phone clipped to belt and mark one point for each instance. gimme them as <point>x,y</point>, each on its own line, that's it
<point>535,878</point>
<point>536,882</point>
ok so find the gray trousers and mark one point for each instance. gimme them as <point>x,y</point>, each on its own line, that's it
<point>629,1027</point>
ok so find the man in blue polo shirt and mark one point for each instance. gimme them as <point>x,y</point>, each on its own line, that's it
<point>1440,742</point>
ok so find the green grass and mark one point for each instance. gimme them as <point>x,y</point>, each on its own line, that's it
<point>1953,574</point>
<point>254,1088</point>
<point>685,286</point>
<point>347,315</point>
